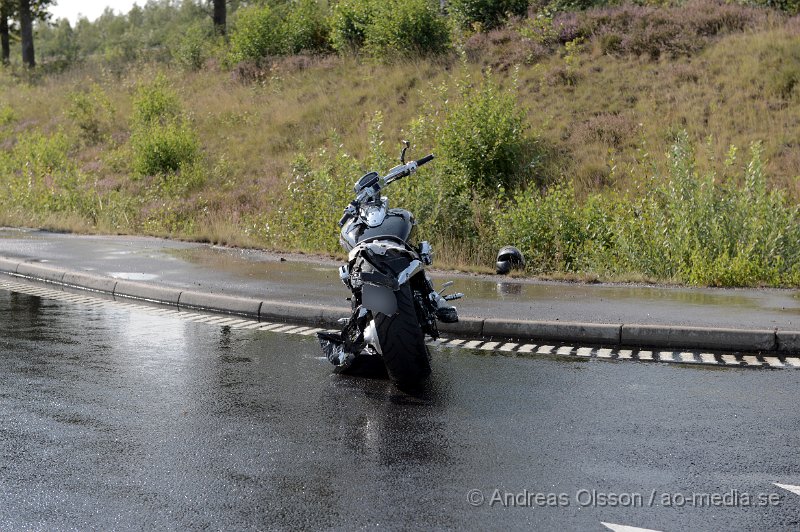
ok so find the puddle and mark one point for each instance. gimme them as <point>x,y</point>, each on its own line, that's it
<point>130,276</point>
<point>292,272</point>
<point>258,266</point>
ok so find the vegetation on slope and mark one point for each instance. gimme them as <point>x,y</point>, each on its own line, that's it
<point>626,142</point>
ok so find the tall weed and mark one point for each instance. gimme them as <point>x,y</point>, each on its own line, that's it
<point>687,228</point>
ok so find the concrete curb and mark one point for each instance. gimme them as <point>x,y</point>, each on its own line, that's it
<point>788,341</point>
<point>593,333</point>
<point>699,337</point>
<point>147,292</point>
<point>655,336</point>
<point>241,306</point>
<point>87,281</point>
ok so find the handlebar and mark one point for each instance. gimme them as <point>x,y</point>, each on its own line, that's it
<point>396,173</point>
<point>426,159</point>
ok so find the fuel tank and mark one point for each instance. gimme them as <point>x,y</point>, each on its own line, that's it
<point>398,225</point>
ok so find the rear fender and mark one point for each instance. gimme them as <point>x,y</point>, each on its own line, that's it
<point>380,280</point>
<point>378,298</point>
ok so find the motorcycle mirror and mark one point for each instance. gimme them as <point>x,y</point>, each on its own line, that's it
<point>406,145</point>
<point>447,284</point>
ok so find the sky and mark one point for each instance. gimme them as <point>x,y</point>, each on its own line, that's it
<point>70,9</point>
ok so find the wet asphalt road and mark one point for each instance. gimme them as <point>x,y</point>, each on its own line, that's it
<point>117,419</point>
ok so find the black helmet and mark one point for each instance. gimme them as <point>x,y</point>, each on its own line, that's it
<point>509,258</point>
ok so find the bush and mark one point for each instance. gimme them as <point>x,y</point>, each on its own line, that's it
<point>163,148</point>
<point>487,14</point>
<point>191,51</point>
<point>483,137</point>
<point>319,190</point>
<point>155,102</point>
<point>406,26</point>
<point>7,115</point>
<point>162,139</point>
<point>92,113</point>
<point>348,24</point>
<point>257,33</point>
<point>305,28</point>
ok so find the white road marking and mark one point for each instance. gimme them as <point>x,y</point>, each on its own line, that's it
<point>294,330</point>
<point>309,332</point>
<point>625,528</point>
<point>270,326</point>
<point>489,346</point>
<point>456,342</point>
<point>665,356</point>
<point>584,352</point>
<point>708,358</point>
<point>751,361</point>
<point>220,321</point>
<point>527,348</point>
<point>473,344</point>
<point>789,487</point>
<point>645,355</point>
<point>565,350</point>
<point>604,353</point>
<point>508,347</point>
<point>209,319</point>
<point>240,323</point>
<point>730,359</point>
<point>795,362</point>
<point>687,357</point>
<point>545,349</point>
<point>774,362</point>
<point>625,354</point>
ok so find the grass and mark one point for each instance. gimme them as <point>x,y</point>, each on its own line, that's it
<point>603,118</point>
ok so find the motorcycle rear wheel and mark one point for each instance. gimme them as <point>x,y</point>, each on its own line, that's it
<point>403,343</point>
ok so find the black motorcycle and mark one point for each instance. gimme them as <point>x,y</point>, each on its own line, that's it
<point>394,303</point>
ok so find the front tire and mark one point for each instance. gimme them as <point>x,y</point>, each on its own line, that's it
<point>403,342</point>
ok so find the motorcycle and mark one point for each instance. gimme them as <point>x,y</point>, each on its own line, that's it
<point>394,303</point>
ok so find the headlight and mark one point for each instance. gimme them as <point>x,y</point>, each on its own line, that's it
<point>373,214</point>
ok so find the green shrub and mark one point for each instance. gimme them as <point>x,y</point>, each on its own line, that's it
<point>192,49</point>
<point>401,27</point>
<point>257,33</point>
<point>319,190</point>
<point>486,14</point>
<point>7,115</point>
<point>163,148</point>
<point>155,102</point>
<point>162,139</point>
<point>305,28</point>
<point>348,24</point>
<point>483,137</point>
<point>92,112</point>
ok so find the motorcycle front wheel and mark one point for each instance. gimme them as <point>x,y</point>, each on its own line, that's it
<point>403,342</point>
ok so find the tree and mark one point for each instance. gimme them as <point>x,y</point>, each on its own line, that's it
<point>220,15</point>
<point>26,32</point>
<point>7,9</point>
<point>27,11</point>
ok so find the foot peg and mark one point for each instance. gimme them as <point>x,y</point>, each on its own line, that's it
<point>444,312</point>
<point>333,347</point>
<point>447,314</point>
